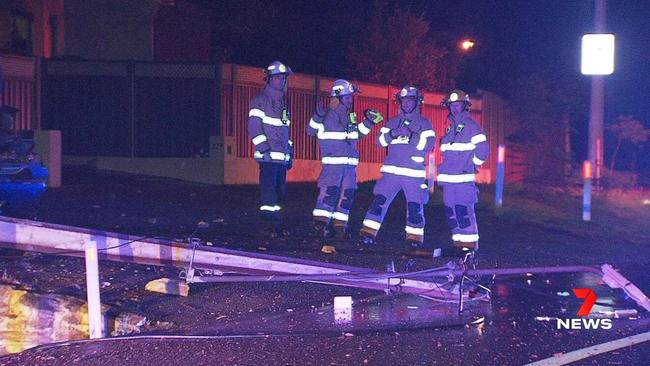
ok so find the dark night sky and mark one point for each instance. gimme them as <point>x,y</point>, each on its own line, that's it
<point>514,37</point>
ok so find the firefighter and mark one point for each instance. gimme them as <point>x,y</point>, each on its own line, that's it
<point>464,149</point>
<point>409,139</point>
<point>338,131</point>
<point>269,120</point>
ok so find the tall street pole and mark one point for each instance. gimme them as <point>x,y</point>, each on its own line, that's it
<point>596,117</point>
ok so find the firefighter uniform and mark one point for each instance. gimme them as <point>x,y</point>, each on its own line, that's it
<point>268,128</point>
<point>464,149</point>
<point>338,133</point>
<point>409,139</point>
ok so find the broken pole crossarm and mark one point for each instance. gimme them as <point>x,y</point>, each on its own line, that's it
<point>614,279</point>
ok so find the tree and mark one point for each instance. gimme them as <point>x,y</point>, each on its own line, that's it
<point>545,110</point>
<point>393,46</point>
<point>626,128</point>
<point>237,28</point>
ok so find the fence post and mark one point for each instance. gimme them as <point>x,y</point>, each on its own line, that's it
<point>233,101</point>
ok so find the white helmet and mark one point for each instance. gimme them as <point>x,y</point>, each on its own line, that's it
<point>342,87</point>
<point>276,68</point>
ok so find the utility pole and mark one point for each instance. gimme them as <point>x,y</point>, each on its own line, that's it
<point>597,108</point>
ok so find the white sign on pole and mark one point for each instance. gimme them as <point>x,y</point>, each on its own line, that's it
<point>597,54</point>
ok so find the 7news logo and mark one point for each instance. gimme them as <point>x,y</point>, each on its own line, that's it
<point>585,309</point>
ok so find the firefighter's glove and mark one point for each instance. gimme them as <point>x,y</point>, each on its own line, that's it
<point>290,155</point>
<point>373,115</point>
<point>400,131</point>
<point>290,162</point>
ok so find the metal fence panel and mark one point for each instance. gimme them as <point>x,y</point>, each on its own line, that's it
<point>302,106</point>
<point>227,118</point>
<point>20,94</point>
<point>170,110</point>
<point>91,111</point>
<point>173,117</point>
<point>134,109</point>
<point>20,89</point>
<point>242,97</point>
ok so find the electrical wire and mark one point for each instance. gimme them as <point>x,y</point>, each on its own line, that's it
<point>67,252</point>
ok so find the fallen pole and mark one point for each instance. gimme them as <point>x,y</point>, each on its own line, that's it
<point>71,241</point>
<point>66,240</point>
<point>440,272</point>
<point>533,270</point>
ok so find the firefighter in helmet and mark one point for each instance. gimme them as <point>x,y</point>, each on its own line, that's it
<point>269,120</point>
<point>409,138</point>
<point>464,149</point>
<point>338,132</point>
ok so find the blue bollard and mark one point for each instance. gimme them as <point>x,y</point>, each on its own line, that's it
<point>586,191</point>
<point>501,157</point>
